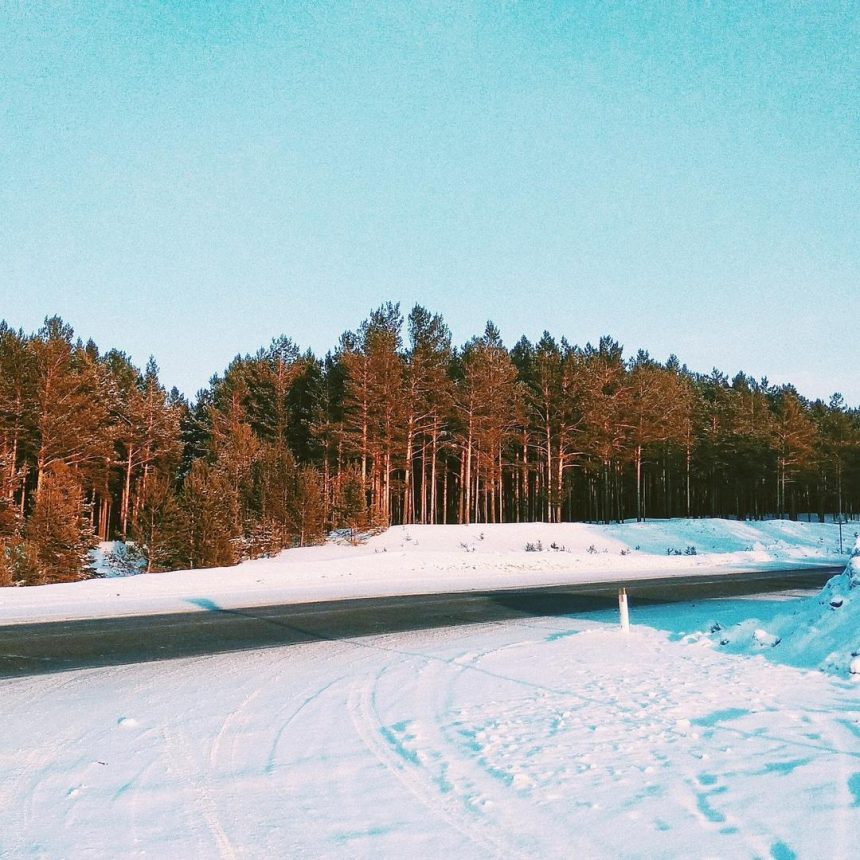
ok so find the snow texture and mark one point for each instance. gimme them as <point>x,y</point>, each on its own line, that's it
<point>546,737</point>
<point>549,737</point>
<point>822,632</point>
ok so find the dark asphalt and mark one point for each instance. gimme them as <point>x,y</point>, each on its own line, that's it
<point>32,649</point>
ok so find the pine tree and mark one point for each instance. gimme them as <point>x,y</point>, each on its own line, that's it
<point>426,399</point>
<point>72,424</point>
<point>307,507</point>
<point>796,439</point>
<point>373,402</point>
<point>17,405</point>
<point>208,530</point>
<point>607,426</point>
<point>655,407</point>
<point>158,529</point>
<point>488,403</point>
<point>58,527</point>
<point>350,504</point>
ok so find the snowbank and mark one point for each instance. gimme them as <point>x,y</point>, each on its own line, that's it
<point>426,559</point>
<point>822,633</point>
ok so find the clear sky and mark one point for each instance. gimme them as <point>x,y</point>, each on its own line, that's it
<point>191,179</point>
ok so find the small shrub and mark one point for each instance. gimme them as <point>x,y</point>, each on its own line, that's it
<point>690,550</point>
<point>592,549</point>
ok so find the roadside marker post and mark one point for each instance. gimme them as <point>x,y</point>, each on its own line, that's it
<point>623,611</point>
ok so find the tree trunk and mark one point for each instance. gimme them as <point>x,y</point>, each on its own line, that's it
<point>126,492</point>
<point>559,484</point>
<point>433,456</point>
<point>468,472</point>
<point>408,501</point>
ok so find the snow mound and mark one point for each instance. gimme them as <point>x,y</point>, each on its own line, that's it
<point>822,633</point>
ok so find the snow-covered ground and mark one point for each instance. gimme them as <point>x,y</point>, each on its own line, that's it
<point>547,737</point>
<point>544,737</point>
<point>425,559</point>
<point>822,632</point>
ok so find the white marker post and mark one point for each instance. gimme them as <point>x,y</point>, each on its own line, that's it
<point>623,610</point>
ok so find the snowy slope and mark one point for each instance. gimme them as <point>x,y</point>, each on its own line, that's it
<point>424,559</point>
<point>822,632</point>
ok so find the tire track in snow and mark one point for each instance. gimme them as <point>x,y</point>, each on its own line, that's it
<point>308,700</point>
<point>19,794</point>
<point>176,749</point>
<point>413,776</point>
<point>227,726</point>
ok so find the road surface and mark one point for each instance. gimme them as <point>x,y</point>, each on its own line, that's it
<point>29,649</point>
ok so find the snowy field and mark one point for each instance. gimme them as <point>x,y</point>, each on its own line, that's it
<point>429,559</point>
<point>549,737</point>
<point>704,732</point>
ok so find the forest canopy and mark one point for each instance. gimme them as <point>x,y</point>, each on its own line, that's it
<point>395,425</point>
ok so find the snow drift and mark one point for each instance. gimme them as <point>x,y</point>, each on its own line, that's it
<point>822,633</point>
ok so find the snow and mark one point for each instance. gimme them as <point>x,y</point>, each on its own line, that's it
<point>546,737</point>
<point>425,559</point>
<point>822,632</point>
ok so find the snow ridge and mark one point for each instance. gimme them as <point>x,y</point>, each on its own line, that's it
<point>822,633</point>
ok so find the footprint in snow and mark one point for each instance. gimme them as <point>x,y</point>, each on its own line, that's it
<point>127,722</point>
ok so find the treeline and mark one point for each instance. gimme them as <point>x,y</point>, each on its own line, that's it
<point>396,425</point>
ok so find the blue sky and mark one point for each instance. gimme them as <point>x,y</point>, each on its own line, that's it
<point>192,179</point>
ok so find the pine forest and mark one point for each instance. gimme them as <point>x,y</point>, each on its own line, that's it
<point>395,425</point>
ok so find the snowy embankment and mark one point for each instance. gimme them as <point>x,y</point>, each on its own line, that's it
<point>822,632</point>
<point>425,559</point>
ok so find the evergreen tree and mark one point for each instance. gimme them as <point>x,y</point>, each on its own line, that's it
<point>72,423</point>
<point>58,527</point>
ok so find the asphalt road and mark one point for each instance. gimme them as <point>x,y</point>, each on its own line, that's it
<point>32,649</point>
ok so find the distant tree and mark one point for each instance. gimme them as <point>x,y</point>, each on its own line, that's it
<point>159,528</point>
<point>426,399</point>
<point>487,401</point>
<point>350,504</point>
<point>208,525</point>
<point>655,407</point>
<point>282,446</point>
<point>72,423</point>
<point>307,507</point>
<point>373,399</point>
<point>17,411</point>
<point>796,438</point>
<point>58,527</point>
<point>607,420</point>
